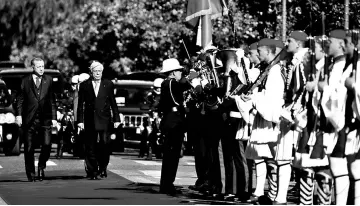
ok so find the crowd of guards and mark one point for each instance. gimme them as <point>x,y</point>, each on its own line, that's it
<point>282,108</point>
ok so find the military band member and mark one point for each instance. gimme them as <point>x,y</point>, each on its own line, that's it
<point>237,132</point>
<point>172,123</point>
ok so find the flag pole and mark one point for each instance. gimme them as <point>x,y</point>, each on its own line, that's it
<point>346,15</point>
<point>283,20</point>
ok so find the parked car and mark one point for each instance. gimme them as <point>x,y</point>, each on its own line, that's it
<point>11,65</point>
<point>11,77</point>
<point>9,131</point>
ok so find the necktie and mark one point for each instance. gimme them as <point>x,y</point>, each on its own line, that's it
<point>37,82</point>
<point>96,87</point>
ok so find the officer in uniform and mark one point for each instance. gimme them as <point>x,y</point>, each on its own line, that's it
<point>172,123</point>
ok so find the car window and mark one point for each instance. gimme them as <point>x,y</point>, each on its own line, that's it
<point>131,95</point>
<point>5,98</point>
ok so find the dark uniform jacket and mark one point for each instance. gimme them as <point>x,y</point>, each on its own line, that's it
<point>171,104</point>
<point>95,111</point>
<point>32,101</point>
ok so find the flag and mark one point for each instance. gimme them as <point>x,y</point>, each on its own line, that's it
<point>200,13</point>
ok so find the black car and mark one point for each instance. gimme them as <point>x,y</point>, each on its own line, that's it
<point>131,91</point>
<point>10,142</point>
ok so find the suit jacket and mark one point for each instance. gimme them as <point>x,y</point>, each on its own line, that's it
<point>95,111</point>
<point>29,103</point>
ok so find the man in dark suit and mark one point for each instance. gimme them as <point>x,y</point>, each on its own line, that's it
<point>96,103</point>
<point>36,112</point>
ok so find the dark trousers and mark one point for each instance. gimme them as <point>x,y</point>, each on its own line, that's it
<point>97,151</point>
<point>196,129</point>
<point>172,147</point>
<point>36,132</point>
<point>214,131</point>
<point>235,161</point>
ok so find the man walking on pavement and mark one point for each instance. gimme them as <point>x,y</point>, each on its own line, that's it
<point>96,102</point>
<point>36,112</point>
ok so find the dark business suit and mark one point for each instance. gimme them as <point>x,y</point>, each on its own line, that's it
<point>95,113</point>
<point>37,108</point>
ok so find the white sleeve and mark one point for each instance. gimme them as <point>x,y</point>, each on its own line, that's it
<point>269,102</point>
<point>334,97</point>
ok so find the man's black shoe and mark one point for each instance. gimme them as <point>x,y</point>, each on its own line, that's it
<point>31,178</point>
<point>229,197</point>
<point>194,187</point>
<point>94,178</point>
<point>103,174</point>
<point>41,174</point>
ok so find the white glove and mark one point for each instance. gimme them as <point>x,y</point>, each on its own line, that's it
<point>116,124</point>
<point>240,53</point>
<point>54,123</point>
<point>81,126</point>
<point>18,120</point>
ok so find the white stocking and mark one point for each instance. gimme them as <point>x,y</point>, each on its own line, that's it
<point>260,167</point>
<point>355,173</point>
<point>284,175</point>
<point>338,167</point>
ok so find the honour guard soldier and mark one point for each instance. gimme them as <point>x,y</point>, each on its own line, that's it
<point>344,160</point>
<point>332,97</point>
<point>172,124</point>
<point>267,102</point>
<point>313,169</point>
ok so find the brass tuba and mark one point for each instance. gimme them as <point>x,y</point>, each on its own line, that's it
<point>229,60</point>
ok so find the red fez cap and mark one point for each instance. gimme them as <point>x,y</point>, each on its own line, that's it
<point>266,42</point>
<point>298,35</point>
<point>338,34</point>
<point>253,46</point>
<point>278,43</point>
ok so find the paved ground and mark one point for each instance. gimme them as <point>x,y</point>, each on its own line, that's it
<point>131,180</point>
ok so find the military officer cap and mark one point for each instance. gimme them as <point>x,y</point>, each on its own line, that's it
<point>266,42</point>
<point>298,35</point>
<point>278,43</point>
<point>338,34</point>
<point>253,46</point>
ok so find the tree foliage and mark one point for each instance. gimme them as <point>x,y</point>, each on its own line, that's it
<point>136,35</point>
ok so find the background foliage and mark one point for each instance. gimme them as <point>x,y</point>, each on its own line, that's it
<point>136,35</point>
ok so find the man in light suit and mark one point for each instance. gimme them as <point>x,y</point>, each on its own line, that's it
<point>96,103</point>
<point>36,112</point>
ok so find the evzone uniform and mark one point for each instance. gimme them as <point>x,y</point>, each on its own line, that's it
<point>267,102</point>
<point>343,111</point>
<point>331,104</point>
<point>313,167</point>
<point>294,73</point>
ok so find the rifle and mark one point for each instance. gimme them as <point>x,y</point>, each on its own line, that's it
<point>355,40</point>
<point>246,89</point>
<point>311,116</point>
<point>318,150</point>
